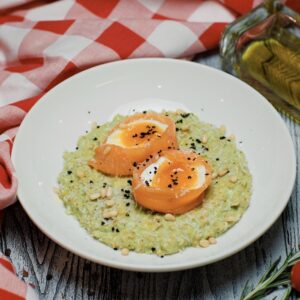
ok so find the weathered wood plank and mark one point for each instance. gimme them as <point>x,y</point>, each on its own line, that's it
<point>59,274</point>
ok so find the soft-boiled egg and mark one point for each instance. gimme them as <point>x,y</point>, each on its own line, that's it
<point>132,141</point>
<point>172,182</point>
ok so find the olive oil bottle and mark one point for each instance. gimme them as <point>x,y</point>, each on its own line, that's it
<point>263,49</point>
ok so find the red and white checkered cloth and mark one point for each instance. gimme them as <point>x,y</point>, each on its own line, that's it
<point>44,42</point>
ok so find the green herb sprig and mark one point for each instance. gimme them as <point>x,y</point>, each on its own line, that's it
<point>274,278</point>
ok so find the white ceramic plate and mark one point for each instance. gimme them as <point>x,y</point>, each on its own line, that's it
<point>63,114</point>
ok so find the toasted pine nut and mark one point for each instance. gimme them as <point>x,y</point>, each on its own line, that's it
<point>214,175</point>
<point>231,137</point>
<point>235,203</point>
<point>107,214</point>
<point>230,219</point>
<point>185,128</point>
<point>106,150</point>
<point>103,192</point>
<point>95,196</point>
<point>179,112</point>
<point>204,243</point>
<point>109,192</point>
<point>212,240</point>
<point>233,179</point>
<point>93,125</point>
<point>80,174</point>
<point>204,139</point>
<point>223,172</point>
<point>125,251</point>
<point>223,129</point>
<point>110,203</point>
<point>170,217</point>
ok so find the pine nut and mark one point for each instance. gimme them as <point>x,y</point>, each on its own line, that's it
<point>223,129</point>
<point>109,192</point>
<point>204,243</point>
<point>212,240</point>
<point>108,214</point>
<point>103,192</point>
<point>233,179</point>
<point>214,175</point>
<point>230,219</point>
<point>170,217</point>
<point>125,251</point>
<point>179,112</point>
<point>223,172</point>
<point>95,196</point>
<point>185,128</point>
<point>232,137</point>
<point>80,174</point>
<point>204,139</point>
<point>93,125</point>
<point>235,203</point>
<point>110,203</point>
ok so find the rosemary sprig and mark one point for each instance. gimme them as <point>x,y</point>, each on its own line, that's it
<point>275,277</point>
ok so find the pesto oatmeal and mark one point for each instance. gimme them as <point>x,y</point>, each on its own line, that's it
<point>105,207</point>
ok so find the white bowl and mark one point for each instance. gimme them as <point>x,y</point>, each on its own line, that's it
<point>64,113</point>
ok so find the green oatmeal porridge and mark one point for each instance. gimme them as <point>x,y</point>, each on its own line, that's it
<point>105,207</point>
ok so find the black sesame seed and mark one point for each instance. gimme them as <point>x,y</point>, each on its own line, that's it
<point>69,172</point>
<point>134,164</point>
<point>198,141</point>
<point>144,112</point>
<point>177,129</point>
<point>129,181</point>
<point>222,137</point>
<point>127,191</point>
<point>102,223</point>
<point>95,139</point>
<point>169,185</point>
<point>185,115</point>
<point>189,177</point>
<point>127,204</point>
<point>147,183</point>
<point>113,229</point>
<point>153,249</point>
<point>71,181</point>
<point>76,148</point>
<point>98,126</point>
<point>115,248</point>
<point>217,158</point>
<point>117,230</point>
<point>91,181</point>
<point>162,256</point>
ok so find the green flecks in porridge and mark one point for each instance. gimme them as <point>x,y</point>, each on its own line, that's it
<point>105,207</point>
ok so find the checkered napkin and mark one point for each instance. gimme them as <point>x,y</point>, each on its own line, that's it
<point>44,42</point>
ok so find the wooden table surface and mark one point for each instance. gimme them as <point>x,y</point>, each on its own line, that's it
<point>59,274</point>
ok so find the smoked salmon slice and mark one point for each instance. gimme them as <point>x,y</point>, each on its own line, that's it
<point>132,141</point>
<point>173,181</point>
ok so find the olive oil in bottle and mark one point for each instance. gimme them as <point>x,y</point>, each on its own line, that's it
<point>263,49</point>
